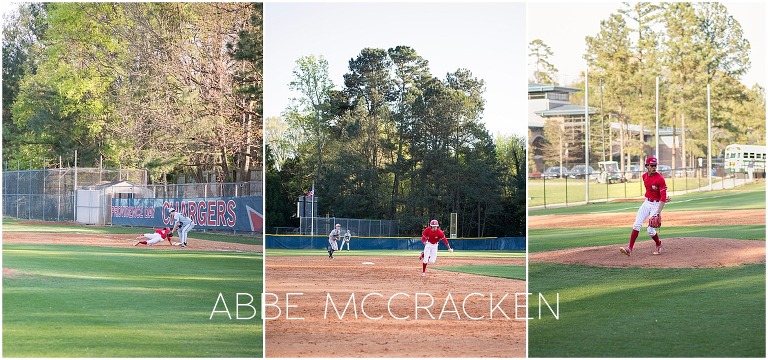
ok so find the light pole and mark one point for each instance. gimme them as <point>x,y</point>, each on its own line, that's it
<point>602,116</point>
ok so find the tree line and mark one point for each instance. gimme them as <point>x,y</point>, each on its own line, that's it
<point>396,143</point>
<point>687,46</point>
<point>175,88</point>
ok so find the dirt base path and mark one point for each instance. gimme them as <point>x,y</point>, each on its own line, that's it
<point>450,334</point>
<point>684,252</point>
<point>120,240</point>
<point>669,218</point>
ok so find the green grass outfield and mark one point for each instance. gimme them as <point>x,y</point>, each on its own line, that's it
<point>639,312</point>
<point>81,301</point>
<point>751,196</point>
<point>560,191</point>
<point>21,225</point>
<point>500,271</point>
<point>635,312</point>
<point>555,239</point>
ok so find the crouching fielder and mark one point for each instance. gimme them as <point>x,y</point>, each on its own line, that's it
<point>430,237</point>
<point>155,237</point>
<point>347,237</point>
<point>181,223</point>
<point>333,240</point>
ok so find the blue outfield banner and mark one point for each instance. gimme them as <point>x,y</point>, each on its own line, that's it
<point>385,243</point>
<point>227,213</point>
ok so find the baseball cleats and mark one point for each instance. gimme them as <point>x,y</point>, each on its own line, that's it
<point>421,257</point>
<point>423,274</point>
<point>183,245</point>
<point>625,251</point>
<point>658,250</point>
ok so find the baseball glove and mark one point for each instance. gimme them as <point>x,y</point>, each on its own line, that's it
<point>655,221</point>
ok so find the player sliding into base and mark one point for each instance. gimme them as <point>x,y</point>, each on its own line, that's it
<point>155,237</point>
<point>431,237</point>
<point>655,198</point>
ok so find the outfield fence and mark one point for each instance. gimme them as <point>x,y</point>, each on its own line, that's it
<point>91,195</point>
<point>358,227</point>
<point>568,191</point>
<point>49,194</point>
<point>392,243</point>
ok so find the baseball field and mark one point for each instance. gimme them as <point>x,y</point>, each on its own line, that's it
<point>704,296</point>
<point>77,291</point>
<point>458,310</point>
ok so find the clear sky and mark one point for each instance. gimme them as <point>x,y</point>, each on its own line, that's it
<point>486,38</point>
<point>573,22</point>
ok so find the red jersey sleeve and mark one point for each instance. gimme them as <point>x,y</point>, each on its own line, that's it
<point>424,235</point>
<point>163,233</point>
<point>445,240</point>
<point>662,189</point>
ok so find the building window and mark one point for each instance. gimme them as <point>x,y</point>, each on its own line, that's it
<point>557,96</point>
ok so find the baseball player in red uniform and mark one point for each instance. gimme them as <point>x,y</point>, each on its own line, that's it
<point>430,237</point>
<point>655,198</point>
<point>155,237</point>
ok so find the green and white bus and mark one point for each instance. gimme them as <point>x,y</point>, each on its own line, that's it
<point>738,157</point>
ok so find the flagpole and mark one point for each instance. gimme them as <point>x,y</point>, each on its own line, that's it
<point>586,135</point>
<point>656,148</point>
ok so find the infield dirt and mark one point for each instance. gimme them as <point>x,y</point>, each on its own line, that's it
<point>680,252</point>
<point>316,336</point>
<point>120,240</point>
<point>669,218</point>
<point>683,252</point>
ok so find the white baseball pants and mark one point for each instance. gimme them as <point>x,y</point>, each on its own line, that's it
<point>153,238</point>
<point>430,252</point>
<point>647,209</point>
<point>183,230</point>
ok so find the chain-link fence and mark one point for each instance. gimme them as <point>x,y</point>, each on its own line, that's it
<point>556,190</point>
<point>206,190</point>
<point>49,194</point>
<point>358,227</point>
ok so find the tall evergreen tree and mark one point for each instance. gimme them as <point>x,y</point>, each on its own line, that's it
<point>642,18</point>
<point>609,53</point>
<point>540,53</point>
<point>685,78</point>
<point>307,112</point>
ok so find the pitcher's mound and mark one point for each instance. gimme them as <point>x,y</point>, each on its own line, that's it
<point>682,252</point>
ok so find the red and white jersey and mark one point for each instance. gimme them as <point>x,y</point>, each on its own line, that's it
<point>655,187</point>
<point>163,232</point>
<point>433,236</point>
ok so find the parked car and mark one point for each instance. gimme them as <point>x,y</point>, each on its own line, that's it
<point>581,171</point>
<point>633,172</point>
<point>609,172</point>
<point>665,171</point>
<point>555,172</point>
<point>685,173</point>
